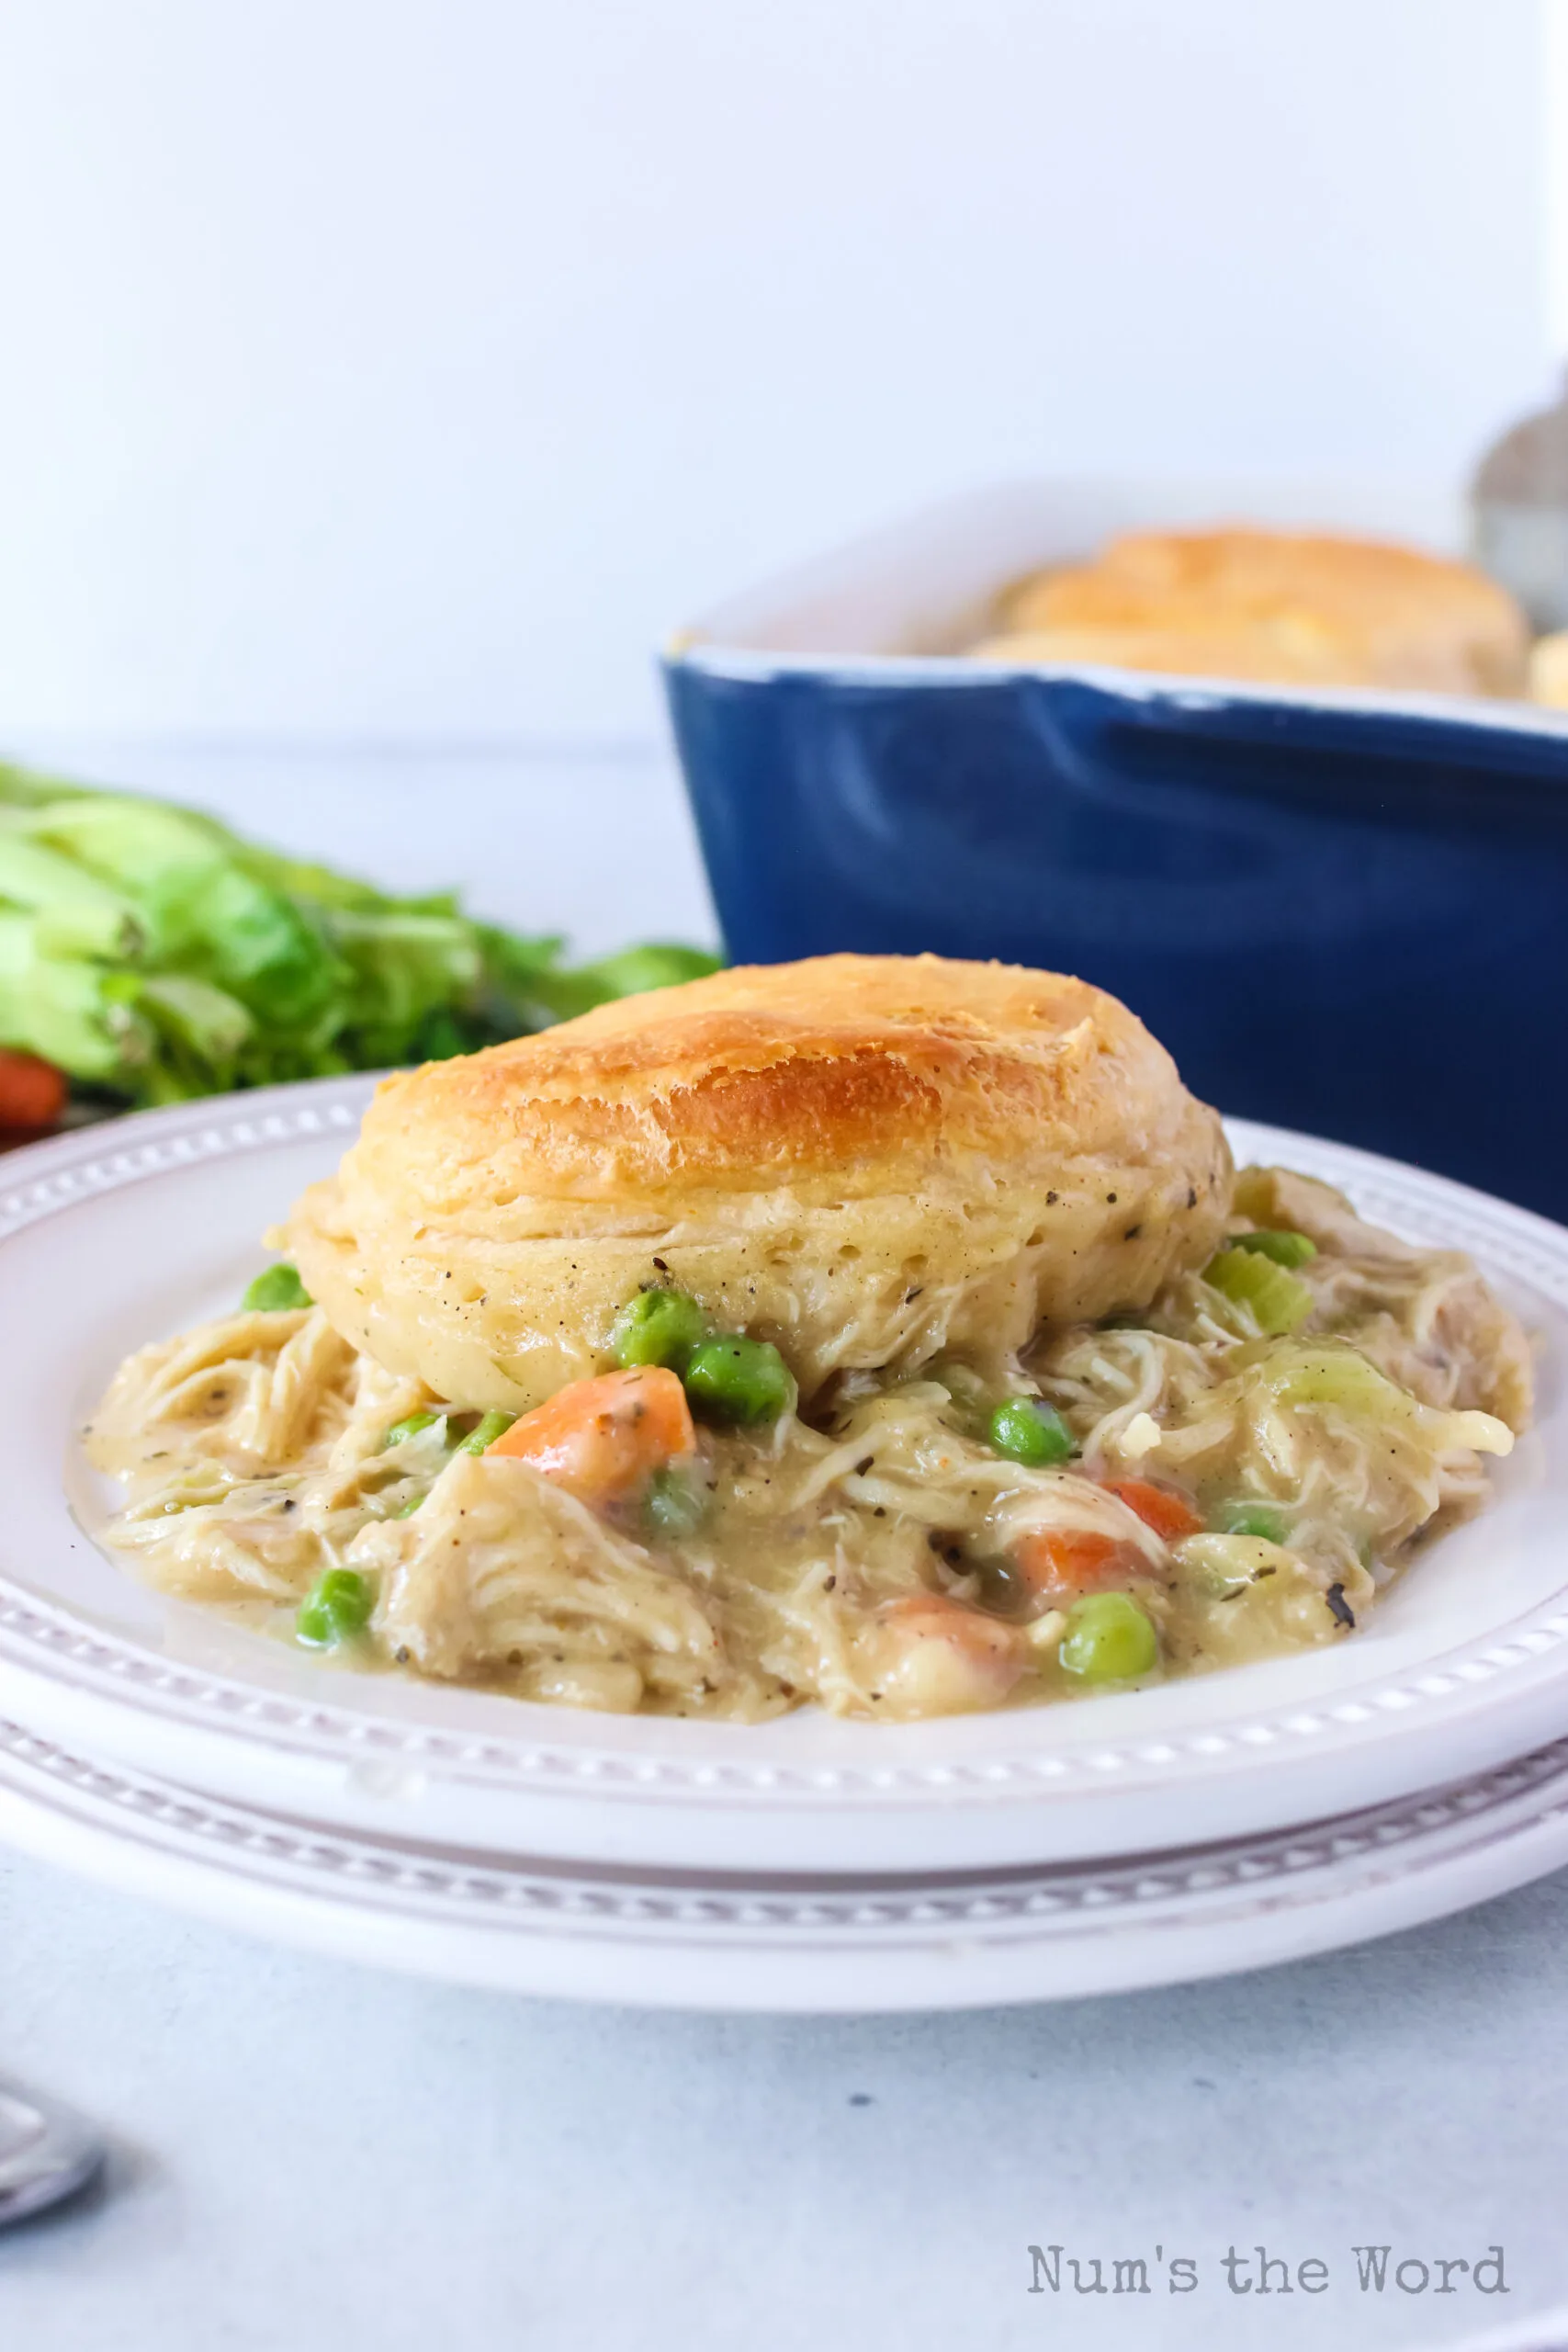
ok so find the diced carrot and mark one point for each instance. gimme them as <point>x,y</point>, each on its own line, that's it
<point>604,1438</point>
<point>1070,1560</point>
<point>1169,1514</point>
<point>32,1091</point>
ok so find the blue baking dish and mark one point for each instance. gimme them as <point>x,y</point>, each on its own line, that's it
<point>1342,912</point>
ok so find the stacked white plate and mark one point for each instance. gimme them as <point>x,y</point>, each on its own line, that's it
<point>1131,1840</point>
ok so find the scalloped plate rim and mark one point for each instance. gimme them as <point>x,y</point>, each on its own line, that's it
<point>862,1948</point>
<point>57,1667</point>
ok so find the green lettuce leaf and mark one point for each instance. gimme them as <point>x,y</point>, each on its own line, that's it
<point>156,956</point>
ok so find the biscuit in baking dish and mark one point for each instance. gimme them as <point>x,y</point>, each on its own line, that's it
<point>1272,606</point>
<point>867,1160</point>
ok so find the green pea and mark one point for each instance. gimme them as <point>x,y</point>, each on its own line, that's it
<point>739,1380</point>
<point>1285,1249</point>
<point>336,1609</point>
<point>486,1430</point>
<point>1027,1430</point>
<point>410,1426</point>
<point>658,1326</point>
<point>1108,1639</point>
<point>676,1506</point>
<point>277,1291</point>
<point>1253,1519</point>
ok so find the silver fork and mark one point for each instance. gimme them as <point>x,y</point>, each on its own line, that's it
<point>47,2153</point>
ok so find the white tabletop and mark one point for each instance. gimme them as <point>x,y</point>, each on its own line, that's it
<point>308,2156</point>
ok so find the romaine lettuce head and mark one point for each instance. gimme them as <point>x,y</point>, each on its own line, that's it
<point>156,956</point>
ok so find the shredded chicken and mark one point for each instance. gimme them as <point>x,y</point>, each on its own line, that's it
<point>835,1560</point>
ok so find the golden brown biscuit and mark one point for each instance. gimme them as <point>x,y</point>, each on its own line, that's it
<point>1300,654</point>
<point>1272,606</point>
<point>864,1159</point>
<point>1548,669</point>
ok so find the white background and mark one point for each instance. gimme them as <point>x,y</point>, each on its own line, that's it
<point>312,2157</point>
<point>401,371</point>
<point>406,368</point>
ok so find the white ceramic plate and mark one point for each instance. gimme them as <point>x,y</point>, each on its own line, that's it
<point>114,1237</point>
<point>683,1939</point>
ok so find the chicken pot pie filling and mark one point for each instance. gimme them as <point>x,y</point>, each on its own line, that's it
<point>1235,1472</point>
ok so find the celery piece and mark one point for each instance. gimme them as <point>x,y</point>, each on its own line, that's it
<point>1220,1565</point>
<point>1340,1376</point>
<point>204,912</point>
<point>75,913</point>
<point>971,1400</point>
<point>1343,1378</point>
<point>1276,1300</point>
<point>1285,1249</point>
<point>27,788</point>
<point>67,1009</point>
<point>197,1021</point>
<point>161,957</point>
<point>133,841</point>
